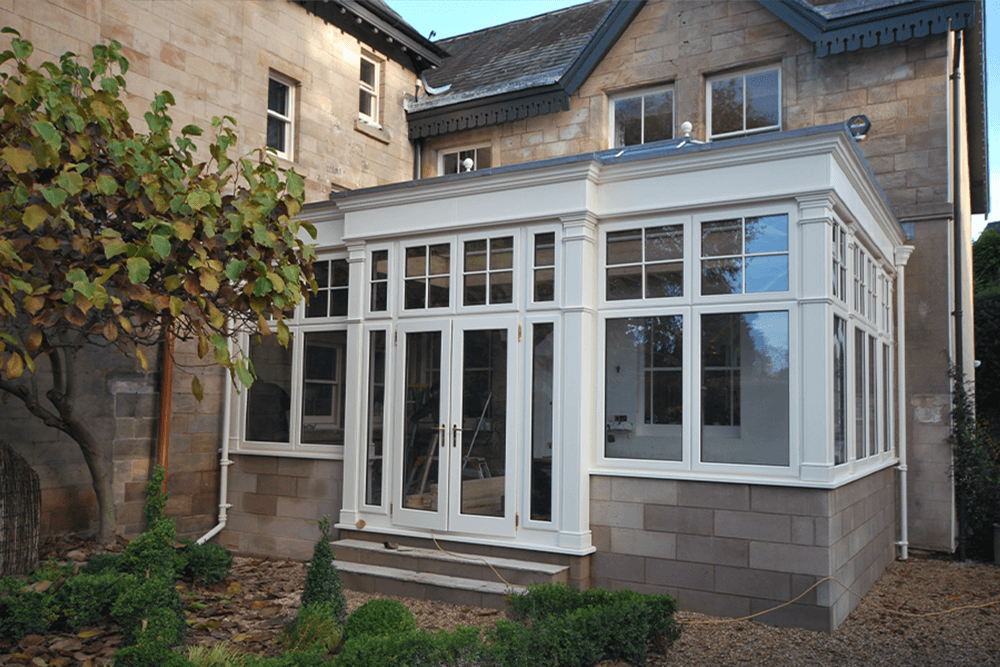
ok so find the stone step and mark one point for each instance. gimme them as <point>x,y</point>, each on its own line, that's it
<point>437,561</point>
<point>424,585</point>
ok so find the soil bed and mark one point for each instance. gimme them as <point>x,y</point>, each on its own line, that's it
<point>261,595</point>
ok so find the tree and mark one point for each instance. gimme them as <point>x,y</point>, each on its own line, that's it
<point>113,237</point>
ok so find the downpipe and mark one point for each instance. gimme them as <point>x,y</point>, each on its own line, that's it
<point>224,464</point>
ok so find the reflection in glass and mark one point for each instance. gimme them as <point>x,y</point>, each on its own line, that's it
<point>628,121</point>
<point>768,273</point>
<point>483,435</point>
<point>727,105</point>
<point>643,388</point>
<point>376,419</point>
<point>380,280</point>
<point>745,389</point>
<point>323,394</point>
<point>422,430</point>
<point>269,398</point>
<point>859,394</point>
<point>762,99</point>
<point>542,358</point>
<point>839,390</point>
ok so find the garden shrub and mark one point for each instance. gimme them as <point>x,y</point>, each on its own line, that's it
<point>102,563</point>
<point>379,617</point>
<point>87,598</point>
<point>24,611</point>
<point>204,562</point>
<point>221,654</point>
<point>417,648</point>
<point>322,580</point>
<point>315,625</point>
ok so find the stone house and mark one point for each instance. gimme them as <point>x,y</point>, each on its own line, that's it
<point>661,292</point>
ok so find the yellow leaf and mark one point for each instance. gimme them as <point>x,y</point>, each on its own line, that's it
<point>234,588</point>
<point>241,638</point>
<point>196,389</point>
<point>141,356</point>
<point>126,324</point>
<point>176,306</point>
<point>33,304</point>
<point>33,217</point>
<point>216,318</point>
<point>15,366</point>
<point>19,159</point>
<point>183,230</point>
<point>34,340</point>
<point>209,282</point>
<point>87,634</point>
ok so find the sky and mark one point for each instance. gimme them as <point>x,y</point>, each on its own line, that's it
<point>455,17</point>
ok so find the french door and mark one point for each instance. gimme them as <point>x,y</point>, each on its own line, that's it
<point>455,436</point>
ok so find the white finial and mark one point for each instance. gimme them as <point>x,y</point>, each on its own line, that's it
<point>686,128</point>
<point>468,163</point>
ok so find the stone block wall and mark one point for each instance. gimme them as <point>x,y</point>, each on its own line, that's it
<point>276,503</point>
<point>215,58</point>
<point>738,549</point>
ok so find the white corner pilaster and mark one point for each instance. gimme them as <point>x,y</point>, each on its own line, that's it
<point>353,427</point>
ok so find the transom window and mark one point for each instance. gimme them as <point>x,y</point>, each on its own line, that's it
<point>428,277</point>
<point>643,117</point>
<point>471,159</point>
<point>645,263</point>
<point>332,278</point>
<point>368,95</point>
<point>746,103</point>
<point>745,255</point>
<point>379,281</point>
<point>488,271</point>
<point>280,103</point>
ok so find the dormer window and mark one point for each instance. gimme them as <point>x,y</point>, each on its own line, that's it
<point>744,103</point>
<point>639,118</point>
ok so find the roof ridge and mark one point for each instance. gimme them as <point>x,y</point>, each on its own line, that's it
<point>570,8</point>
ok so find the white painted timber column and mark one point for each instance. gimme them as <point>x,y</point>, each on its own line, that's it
<point>902,257</point>
<point>579,375</point>
<point>356,373</point>
<point>815,279</point>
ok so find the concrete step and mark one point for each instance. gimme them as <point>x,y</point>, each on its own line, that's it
<point>437,561</point>
<point>424,585</point>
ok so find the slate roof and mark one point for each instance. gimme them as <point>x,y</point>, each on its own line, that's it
<point>523,54</point>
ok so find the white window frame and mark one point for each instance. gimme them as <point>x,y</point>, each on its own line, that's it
<point>372,89</point>
<point>287,119</point>
<point>744,131</point>
<point>614,99</point>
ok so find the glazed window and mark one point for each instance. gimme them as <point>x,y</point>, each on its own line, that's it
<point>745,103</point>
<point>744,388</point>
<point>545,267</point>
<point>330,299</point>
<point>839,390</point>
<point>280,114</point>
<point>269,398</point>
<point>427,281</point>
<point>368,96</point>
<point>745,255</point>
<point>643,394</point>
<point>645,263</point>
<point>472,159</point>
<point>643,117</point>
<point>323,394</point>
<point>379,281</point>
<point>839,262</point>
<point>488,271</point>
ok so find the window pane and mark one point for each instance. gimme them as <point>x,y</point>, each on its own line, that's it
<point>368,72</point>
<point>338,302</point>
<point>872,397</point>
<point>276,134</point>
<point>376,419</point>
<point>745,388</point>
<point>366,103</point>
<point>664,243</point>
<point>380,297</point>
<point>767,274</point>
<point>416,261</point>
<point>659,121</point>
<point>321,271</point>
<point>727,105</point>
<point>475,255</point>
<point>722,276</point>
<point>545,249</point>
<point>502,287</point>
<point>451,163</point>
<point>440,259</point>
<point>839,391</point>
<point>859,393</point>
<point>663,280</point>
<point>323,388</point>
<point>502,253</point>
<point>483,158</point>
<point>628,121</point>
<point>545,284</point>
<point>625,247</point>
<point>475,289</point>
<point>415,294</point>
<point>318,304</point>
<point>277,97</point>
<point>624,283</point>
<point>762,99</point>
<point>269,397</point>
<point>380,265</point>
<point>720,238</point>
<point>643,397</point>
<point>542,358</point>
<point>438,293</point>
<point>767,234</point>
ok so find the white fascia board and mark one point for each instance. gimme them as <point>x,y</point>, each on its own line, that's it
<point>328,220</point>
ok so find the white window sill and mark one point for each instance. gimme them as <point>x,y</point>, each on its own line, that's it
<point>376,132</point>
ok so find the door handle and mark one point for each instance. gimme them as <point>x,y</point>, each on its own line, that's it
<point>444,434</point>
<point>454,435</point>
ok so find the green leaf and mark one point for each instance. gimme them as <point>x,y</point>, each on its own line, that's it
<point>76,275</point>
<point>138,270</point>
<point>199,199</point>
<point>115,247</point>
<point>262,287</point>
<point>55,196</point>
<point>234,269</point>
<point>153,121</point>
<point>191,129</point>
<point>246,379</point>
<point>48,133</point>
<point>70,181</point>
<point>161,245</point>
<point>19,159</point>
<point>106,185</point>
<point>295,184</point>
<point>33,217</point>
<point>110,84</point>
